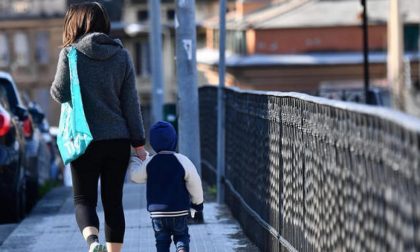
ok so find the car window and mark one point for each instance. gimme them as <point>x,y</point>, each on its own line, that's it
<point>4,100</point>
<point>11,94</point>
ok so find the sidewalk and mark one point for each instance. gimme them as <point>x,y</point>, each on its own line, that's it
<point>52,227</point>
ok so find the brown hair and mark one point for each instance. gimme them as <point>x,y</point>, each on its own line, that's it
<point>84,18</point>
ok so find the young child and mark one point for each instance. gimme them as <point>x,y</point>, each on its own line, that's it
<point>173,187</point>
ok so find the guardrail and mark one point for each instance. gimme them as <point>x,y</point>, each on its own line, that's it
<point>310,174</point>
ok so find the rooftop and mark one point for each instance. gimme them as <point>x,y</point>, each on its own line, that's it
<point>319,13</point>
<point>211,57</point>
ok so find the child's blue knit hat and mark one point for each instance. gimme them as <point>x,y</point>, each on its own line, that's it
<point>163,137</point>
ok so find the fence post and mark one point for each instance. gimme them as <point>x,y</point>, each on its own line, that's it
<point>221,106</point>
<point>366,52</point>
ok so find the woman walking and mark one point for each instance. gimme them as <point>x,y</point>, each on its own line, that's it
<point>112,110</point>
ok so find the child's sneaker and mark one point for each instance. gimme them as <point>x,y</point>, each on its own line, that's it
<point>97,247</point>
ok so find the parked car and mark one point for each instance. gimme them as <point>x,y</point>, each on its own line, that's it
<point>47,152</point>
<point>37,153</point>
<point>33,140</point>
<point>13,159</point>
<point>33,146</point>
<point>57,169</point>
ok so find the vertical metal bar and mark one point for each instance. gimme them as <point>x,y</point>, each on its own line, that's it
<point>395,54</point>
<point>365,51</point>
<point>155,41</point>
<point>418,51</point>
<point>186,77</point>
<point>221,105</point>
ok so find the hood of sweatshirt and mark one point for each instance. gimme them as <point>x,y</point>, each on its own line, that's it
<point>98,46</point>
<point>163,137</point>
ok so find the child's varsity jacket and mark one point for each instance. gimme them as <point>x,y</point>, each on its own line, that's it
<point>172,184</point>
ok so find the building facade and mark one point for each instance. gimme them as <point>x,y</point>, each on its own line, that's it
<point>31,36</point>
<point>30,39</point>
<point>134,30</point>
<point>298,46</point>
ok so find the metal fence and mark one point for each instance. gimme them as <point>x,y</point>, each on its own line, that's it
<point>310,174</point>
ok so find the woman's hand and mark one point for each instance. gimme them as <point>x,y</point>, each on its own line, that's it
<point>141,152</point>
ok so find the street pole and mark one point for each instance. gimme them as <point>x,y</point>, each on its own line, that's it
<point>155,41</point>
<point>221,106</point>
<point>395,64</point>
<point>186,77</point>
<point>365,51</point>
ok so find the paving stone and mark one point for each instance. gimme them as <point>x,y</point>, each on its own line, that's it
<point>5,230</point>
<point>52,227</point>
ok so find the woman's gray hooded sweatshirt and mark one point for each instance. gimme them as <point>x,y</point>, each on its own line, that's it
<point>108,87</point>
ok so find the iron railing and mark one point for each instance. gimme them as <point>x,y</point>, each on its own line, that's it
<point>310,174</point>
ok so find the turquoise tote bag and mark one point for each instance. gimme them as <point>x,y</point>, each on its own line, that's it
<point>73,131</point>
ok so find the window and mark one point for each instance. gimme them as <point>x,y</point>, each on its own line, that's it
<point>21,49</point>
<point>4,8</point>
<point>236,41</point>
<point>170,15</point>
<point>216,35</point>
<point>21,6</point>
<point>142,59</point>
<point>4,51</point>
<point>411,37</point>
<point>42,48</point>
<point>142,15</point>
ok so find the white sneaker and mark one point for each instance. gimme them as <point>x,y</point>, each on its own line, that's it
<point>97,247</point>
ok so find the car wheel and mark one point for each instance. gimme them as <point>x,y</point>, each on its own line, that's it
<point>16,207</point>
<point>31,193</point>
<point>23,202</point>
<point>11,213</point>
<point>20,198</point>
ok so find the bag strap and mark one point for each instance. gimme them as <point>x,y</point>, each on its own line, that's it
<point>76,97</point>
<point>74,78</point>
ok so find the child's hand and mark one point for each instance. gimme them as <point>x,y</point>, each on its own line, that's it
<point>197,207</point>
<point>141,152</point>
<point>137,169</point>
<point>197,213</point>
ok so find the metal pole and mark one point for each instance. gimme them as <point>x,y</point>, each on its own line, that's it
<point>155,41</point>
<point>221,106</point>
<point>395,55</point>
<point>365,51</point>
<point>186,77</point>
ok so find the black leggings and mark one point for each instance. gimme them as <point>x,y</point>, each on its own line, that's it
<point>108,160</point>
